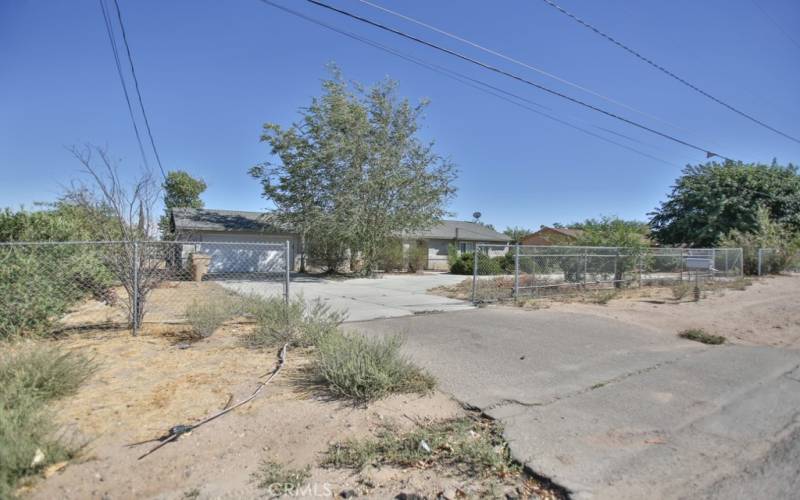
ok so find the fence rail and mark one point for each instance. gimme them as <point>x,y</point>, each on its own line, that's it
<point>53,286</point>
<point>510,272</point>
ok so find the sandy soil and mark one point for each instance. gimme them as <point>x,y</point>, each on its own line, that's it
<point>149,383</point>
<point>764,313</point>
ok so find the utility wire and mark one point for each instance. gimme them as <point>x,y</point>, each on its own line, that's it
<point>776,23</point>
<point>468,81</point>
<point>484,65</point>
<point>138,92</point>
<point>113,43</point>
<point>519,63</point>
<point>666,71</point>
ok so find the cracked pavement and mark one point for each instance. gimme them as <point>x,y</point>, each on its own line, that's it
<point>613,410</point>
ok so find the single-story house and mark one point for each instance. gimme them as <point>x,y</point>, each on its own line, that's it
<point>552,236</point>
<point>464,235</point>
<point>210,228</point>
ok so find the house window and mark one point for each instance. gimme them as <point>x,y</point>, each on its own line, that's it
<point>466,247</point>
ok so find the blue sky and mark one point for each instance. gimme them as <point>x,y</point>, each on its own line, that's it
<point>213,72</point>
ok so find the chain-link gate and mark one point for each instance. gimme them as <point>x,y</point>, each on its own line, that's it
<point>47,287</point>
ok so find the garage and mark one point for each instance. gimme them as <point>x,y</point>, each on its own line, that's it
<point>237,242</point>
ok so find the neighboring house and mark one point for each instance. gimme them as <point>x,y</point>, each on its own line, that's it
<point>210,228</point>
<point>215,230</point>
<point>463,235</point>
<point>552,236</point>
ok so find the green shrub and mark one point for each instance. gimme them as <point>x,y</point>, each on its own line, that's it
<point>30,376</point>
<point>297,322</point>
<point>364,369</point>
<point>417,256</point>
<point>452,255</point>
<point>38,284</point>
<point>486,265</point>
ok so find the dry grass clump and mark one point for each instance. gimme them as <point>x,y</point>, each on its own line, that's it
<point>278,480</point>
<point>471,446</point>
<point>699,335</point>
<point>206,316</point>
<point>296,322</point>
<point>30,376</point>
<point>364,369</point>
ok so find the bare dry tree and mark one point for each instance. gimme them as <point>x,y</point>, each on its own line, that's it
<point>130,208</point>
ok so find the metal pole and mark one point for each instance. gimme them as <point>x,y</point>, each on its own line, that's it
<point>474,273</point>
<point>640,270</point>
<point>726,262</point>
<point>585,266</point>
<point>759,261</point>
<point>135,302</point>
<point>288,266</point>
<point>516,271</point>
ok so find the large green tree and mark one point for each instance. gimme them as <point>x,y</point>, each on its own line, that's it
<point>353,171</point>
<point>711,200</point>
<point>181,190</point>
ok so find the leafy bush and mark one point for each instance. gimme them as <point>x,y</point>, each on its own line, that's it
<point>297,322</point>
<point>365,369</point>
<point>452,255</point>
<point>38,284</point>
<point>31,376</point>
<point>417,256</point>
<point>486,265</point>
<point>769,234</point>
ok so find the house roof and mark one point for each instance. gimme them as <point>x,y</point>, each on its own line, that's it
<point>462,230</point>
<point>574,233</point>
<point>206,219</point>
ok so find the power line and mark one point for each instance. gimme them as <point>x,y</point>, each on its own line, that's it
<point>136,86</point>
<point>468,81</point>
<point>518,62</point>
<point>113,43</point>
<point>776,23</point>
<point>666,71</point>
<point>484,65</point>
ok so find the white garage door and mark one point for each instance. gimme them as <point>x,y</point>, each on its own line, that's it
<point>244,253</point>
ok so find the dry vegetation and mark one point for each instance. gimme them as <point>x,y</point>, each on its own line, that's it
<point>181,372</point>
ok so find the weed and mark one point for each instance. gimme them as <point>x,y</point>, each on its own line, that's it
<point>473,447</point>
<point>191,494</point>
<point>365,369</point>
<point>602,298</point>
<point>295,322</point>
<point>699,335</point>
<point>41,373</point>
<point>681,290</point>
<point>205,317</point>
<point>279,480</point>
<point>30,376</point>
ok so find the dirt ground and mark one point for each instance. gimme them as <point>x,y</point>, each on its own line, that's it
<point>762,311</point>
<point>149,383</point>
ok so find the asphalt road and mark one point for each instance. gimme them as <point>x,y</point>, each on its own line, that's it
<point>611,410</point>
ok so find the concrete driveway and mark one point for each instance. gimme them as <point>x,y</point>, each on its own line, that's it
<point>391,296</point>
<point>612,410</point>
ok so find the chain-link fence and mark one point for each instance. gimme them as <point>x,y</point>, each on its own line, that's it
<point>47,287</point>
<point>516,271</point>
<point>776,261</point>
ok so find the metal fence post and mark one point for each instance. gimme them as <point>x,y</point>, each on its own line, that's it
<point>474,273</point>
<point>726,263</point>
<point>288,266</point>
<point>640,268</point>
<point>759,261</point>
<point>516,271</point>
<point>585,266</point>
<point>135,303</point>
